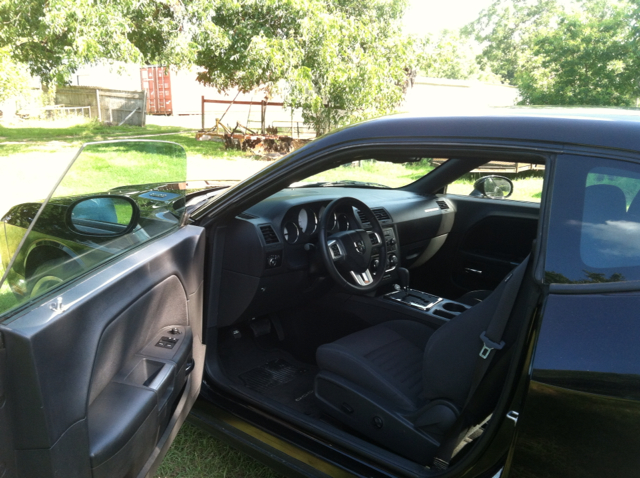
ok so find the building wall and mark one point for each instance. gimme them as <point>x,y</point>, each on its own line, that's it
<point>434,94</point>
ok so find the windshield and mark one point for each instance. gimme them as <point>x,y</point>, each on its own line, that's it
<point>371,173</point>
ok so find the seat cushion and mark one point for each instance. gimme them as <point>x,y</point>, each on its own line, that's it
<point>385,359</point>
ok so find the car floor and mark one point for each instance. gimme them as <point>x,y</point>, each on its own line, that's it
<point>256,364</point>
<point>274,355</point>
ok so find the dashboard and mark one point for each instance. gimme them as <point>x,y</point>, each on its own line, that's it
<point>270,259</point>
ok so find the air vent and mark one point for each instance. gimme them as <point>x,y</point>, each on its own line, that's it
<point>442,205</point>
<point>269,234</point>
<point>246,215</point>
<point>379,213</point>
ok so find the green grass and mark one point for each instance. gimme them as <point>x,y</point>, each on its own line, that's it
<point>388,174</point>
<point>83,132</point>
<point>196,454</point>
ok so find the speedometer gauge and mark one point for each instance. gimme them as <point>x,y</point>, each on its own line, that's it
<point>303,220</point>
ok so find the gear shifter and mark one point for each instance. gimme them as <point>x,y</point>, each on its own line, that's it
<point>403,277</point>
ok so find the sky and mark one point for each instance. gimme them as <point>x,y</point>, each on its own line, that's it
<point>431,16</point>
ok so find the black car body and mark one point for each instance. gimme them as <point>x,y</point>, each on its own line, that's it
<point>241,303</point>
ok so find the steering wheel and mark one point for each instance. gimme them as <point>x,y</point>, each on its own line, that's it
<point>348,253</point>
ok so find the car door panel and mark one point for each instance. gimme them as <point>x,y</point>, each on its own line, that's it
<point>89,386</point>
<point>488,239</point>
<point>584,393</point>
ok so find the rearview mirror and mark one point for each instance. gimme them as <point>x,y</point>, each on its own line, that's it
<point>103,216</point>
<point>493,187</point>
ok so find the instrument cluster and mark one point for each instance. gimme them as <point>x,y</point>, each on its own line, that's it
<point>302,223</point>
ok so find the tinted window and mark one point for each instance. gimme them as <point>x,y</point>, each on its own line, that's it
<point>595,222</point>
<point>115,196</point>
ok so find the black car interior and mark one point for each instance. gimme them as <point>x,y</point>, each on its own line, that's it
<point>387,360</point>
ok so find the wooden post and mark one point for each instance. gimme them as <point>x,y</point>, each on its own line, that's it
<point>98,101</point>
<point>263,115</point>
<point>144,108</point>
<point>202,112</point>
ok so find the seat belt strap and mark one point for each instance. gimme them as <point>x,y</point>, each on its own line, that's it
<point>492,340</point>
<point>492,337</point>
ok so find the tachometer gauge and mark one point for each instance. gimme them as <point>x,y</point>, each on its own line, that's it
<point>331,224</point>
<point>303,220</point>
<point>291,232</point>
<point>343,222</point>
<point>313,222</point>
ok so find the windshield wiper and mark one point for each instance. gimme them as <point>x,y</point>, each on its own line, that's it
<point>344,182</point>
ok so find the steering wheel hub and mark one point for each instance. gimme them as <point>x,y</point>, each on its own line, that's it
<point>347,254</point>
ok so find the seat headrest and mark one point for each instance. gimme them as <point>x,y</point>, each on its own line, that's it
<point>602,203</point>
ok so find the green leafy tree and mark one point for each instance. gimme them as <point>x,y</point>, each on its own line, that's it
<point>507,31</point>
<point>55,37</point>
<point>563,53</point>
<point>14,79</point>
<point>451,55</point>
<point>338,60</point>
<point>590,58</point>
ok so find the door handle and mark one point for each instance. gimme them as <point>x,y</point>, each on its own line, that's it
<point>189,367</point>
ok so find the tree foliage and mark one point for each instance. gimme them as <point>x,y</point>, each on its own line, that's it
<point>563,53</point>
<point>338,60</point>
<point>14,79</point>
<point>55,37</point>
<point>451,55</point>
<point>590,58</point>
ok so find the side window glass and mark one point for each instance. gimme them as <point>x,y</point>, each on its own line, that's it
<point>595,222</point>
<point>114,197</point>
<point>610,232</point>
<point>526,181</point>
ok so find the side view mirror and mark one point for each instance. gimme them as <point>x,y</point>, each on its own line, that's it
<point>103,216</point>
<point>493,187</point>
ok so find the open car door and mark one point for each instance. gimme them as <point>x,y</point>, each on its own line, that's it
<point>101,349</point>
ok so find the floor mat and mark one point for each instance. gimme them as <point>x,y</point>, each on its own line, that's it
<point>271,374</point>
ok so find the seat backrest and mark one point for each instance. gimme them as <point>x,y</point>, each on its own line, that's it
<point>451,353</point>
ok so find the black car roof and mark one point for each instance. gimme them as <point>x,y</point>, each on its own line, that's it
<point>606,128</point>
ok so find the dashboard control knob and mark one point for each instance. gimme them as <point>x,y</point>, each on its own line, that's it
<point>393,260</point>
<point>272,261</point>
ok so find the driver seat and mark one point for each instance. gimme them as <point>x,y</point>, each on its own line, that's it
<point>403,384</point>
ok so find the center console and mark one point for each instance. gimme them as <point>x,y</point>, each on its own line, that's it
<point>432,304</point>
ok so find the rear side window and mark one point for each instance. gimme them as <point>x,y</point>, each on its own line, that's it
<point>594,233</point>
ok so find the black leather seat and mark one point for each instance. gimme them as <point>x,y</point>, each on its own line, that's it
<point>402,383</point>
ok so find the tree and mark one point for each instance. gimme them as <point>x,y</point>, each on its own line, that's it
<point>14,79</point>
<point>450,55</point>
<point>590,58</point>
<point>570,53</point>
<point>55,37</point>
<point>507,31</point>
<point>338,60</point>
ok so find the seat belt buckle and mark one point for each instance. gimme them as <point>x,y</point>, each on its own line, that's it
<point>489,345</point>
